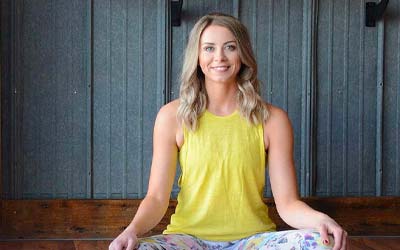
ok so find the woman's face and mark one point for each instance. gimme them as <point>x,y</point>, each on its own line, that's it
<point>218,55</point>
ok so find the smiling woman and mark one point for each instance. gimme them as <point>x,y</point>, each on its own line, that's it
<point>219,58</point>
<point>220,130</point>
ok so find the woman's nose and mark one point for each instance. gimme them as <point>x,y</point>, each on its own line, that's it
<point>219,55</point>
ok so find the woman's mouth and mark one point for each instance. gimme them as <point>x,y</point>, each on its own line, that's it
<point>220,68</point>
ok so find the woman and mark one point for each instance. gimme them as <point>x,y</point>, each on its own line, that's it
<point>221,130</point>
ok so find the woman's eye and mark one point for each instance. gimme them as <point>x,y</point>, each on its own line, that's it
<point>231,47</point>
<point>209,49</point>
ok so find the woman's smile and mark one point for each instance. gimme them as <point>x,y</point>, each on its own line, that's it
<point>220,68</point>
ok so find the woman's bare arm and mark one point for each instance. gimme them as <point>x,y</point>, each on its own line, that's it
<point>278,139</point>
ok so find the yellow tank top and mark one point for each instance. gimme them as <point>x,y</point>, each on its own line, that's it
<point>222,180</point>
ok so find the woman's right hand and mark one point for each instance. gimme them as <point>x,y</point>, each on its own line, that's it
<point>126,240</point>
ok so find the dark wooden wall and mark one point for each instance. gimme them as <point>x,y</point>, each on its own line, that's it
<point>97,219</point>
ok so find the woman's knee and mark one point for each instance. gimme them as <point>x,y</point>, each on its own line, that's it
<point>169,242</point>
<point>309,239</point>
<point>290,239</point>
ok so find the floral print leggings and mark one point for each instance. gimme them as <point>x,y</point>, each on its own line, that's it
<point>282,240</point>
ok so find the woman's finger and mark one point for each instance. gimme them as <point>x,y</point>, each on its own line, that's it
<point>323,231</point>
<point>131,245</point>
<point>337,234</point>
<point>344,241</point>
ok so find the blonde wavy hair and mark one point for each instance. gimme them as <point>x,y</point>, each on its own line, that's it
<point>193,95</point>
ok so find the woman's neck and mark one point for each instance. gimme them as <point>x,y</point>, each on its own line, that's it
<point>222,98</point>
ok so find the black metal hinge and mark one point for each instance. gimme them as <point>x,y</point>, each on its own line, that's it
<point>176,12</point>
<point>374,12</point>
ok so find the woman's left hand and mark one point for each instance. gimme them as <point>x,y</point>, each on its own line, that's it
<point>328,226</point>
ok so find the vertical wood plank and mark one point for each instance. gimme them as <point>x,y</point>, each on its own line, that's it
<point>135,100</point>
<point>345,106</point>
<point>307,98</point>
<point>101,99</point>
<point>5,11</point>
<point>391,102</point>
<point>397,182</point>
<point>379,107</point>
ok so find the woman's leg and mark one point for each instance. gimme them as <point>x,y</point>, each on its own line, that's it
<point>170,242</point>
<point>291,239</point>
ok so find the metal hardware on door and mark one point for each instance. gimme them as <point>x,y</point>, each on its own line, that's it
<point>374,11</point>
<point>176,11</point>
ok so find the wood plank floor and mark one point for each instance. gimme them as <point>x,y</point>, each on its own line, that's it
<point>355,243</point>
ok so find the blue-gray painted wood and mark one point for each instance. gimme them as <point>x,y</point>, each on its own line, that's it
<point>49,100</point>
<point>346,29</point>
<point>379,108</point>
<point>308,99</point>
<point>7,75</point>
<point>89,94</point>
<point>346,100</point>
<point>14,110</point>
<point>391,102</point>
<point>129,81</point>
<point>316,60</point>
<point>3,50</point>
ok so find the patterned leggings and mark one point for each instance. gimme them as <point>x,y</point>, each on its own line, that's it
<point>282,240</point>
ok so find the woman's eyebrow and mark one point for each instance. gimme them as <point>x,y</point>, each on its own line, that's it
<point>233,41</point>
<point>210,43</point>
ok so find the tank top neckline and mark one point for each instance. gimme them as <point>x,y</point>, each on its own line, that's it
<point>221,116</point>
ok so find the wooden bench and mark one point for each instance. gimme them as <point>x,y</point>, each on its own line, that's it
<point>366,218</point>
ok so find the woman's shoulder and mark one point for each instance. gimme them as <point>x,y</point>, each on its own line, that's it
<point>167,113</point>
<point>277,127</point>
<point>171,107</point>
<point>277,116</point>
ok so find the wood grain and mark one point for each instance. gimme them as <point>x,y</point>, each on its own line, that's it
<point>354,243</point>
<point>374,243</point>
<point>82,219</point>
<point>55,245</point>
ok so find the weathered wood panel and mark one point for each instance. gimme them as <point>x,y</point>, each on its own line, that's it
<point>129,65</point>
<point>391,102</point>
<point>81,83</point>
<point>46,98</point>
<point>346,100</point>
<point>46,219</point>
